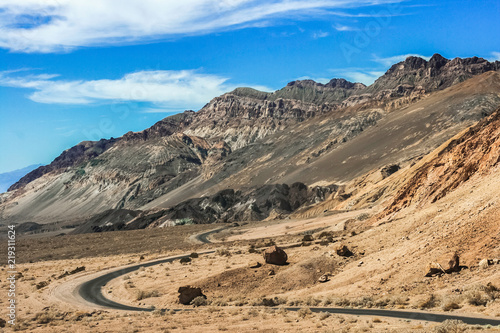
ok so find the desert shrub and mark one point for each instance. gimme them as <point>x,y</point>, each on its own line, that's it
<point>429,302</point>
<point>199,301</point>
<point>194,255</point>
<point>323,315</point>
<point>311,301</point>
<point>158,312</point>
<point>45,317</point>
<point>185,260</point>
<point>307,238</point>
<point>141,294</point>
<point>451,326</point>
<point>42,284</point>
<point>342,302</point>
<point>364,302</point>
<point>475,297</point>
<point>270,242</point>
<point>251,249</point>
<point>450,303</point>
<point>223,252</point>
<point>303,312</point>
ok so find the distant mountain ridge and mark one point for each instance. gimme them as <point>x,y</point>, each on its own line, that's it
<point>308,132</point>
<point>7,179</point>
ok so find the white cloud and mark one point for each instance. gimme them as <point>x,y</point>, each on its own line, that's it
<point>345,28</point>
<point>63,25</point>
<point>167,89</point>
<point>389,61</point>
<point>323,80</point>
<point>496,56</point>
<point>320,34</point>
<point>366,77</point>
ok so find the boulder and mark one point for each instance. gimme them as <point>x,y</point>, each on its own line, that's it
<point>446,264</point>
<point>275,255</point>
<point>453,263</point>
<point>188,293</point>
<point>434,268</point>
<point>342,250</point>
<point>485,263</point>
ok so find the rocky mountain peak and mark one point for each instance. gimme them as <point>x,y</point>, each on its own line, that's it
<point>437,73</point>
<point>437,61</point>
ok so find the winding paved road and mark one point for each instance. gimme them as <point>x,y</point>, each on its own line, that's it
<point>91,292</point>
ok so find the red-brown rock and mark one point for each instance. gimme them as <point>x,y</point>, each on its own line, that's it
<point>188,293</point>
<point>275,255</point>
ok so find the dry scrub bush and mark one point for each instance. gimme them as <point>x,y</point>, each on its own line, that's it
<point>303,312</point>
<point>141,294</point>
<point>450,303</point>
<point>428,302</point>
<point>480,295</point>
<point>323,315</point>
<point>199,301</point>
<point>46,317</point>
<point>223,252</point>
<point>451,326</point>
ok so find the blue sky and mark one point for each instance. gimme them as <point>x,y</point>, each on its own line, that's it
<point>81,70</point>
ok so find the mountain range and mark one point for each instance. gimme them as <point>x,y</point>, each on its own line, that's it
<point>248,155</point>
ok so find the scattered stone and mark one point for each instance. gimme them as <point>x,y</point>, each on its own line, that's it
<point>275,255</point>
<point>2,322</point>
<point>360,263</point>
<point>342,250</point>
<point>271,272</point>
<point>323,278</point>
<point>187,294</point>
<point>254,264</point>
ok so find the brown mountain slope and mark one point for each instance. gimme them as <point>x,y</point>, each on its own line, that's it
<point>477,151</point>
<point>321,154</point>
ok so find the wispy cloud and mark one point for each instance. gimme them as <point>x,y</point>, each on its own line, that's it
<point>320,34</point>
<point>365,76</point>
<point>388,61</point>
<point>316,79</point>
<point>495,56</point>
<point>167,89</point>
<point>345,28</point>
<point>63,25</point>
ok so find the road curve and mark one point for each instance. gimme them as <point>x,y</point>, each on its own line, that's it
<point>203,237</point>
<point>91,292</point>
